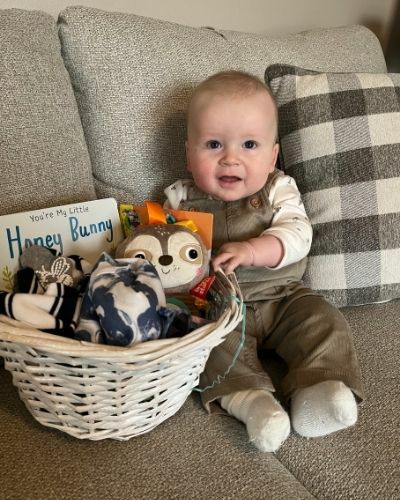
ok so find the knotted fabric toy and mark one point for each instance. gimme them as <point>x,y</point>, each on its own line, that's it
<point>122,303</point>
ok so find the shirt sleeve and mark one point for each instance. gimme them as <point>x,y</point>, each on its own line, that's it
<point>290,223</point>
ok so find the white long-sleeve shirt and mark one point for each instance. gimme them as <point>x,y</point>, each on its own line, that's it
<point>290,223</point>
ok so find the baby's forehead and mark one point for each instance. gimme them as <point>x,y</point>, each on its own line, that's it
<point>231,93</point>
<point>207,99</point>
<point>204,102</point>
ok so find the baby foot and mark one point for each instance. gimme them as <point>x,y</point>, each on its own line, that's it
<point>323,408</point>
<point>266,421</point>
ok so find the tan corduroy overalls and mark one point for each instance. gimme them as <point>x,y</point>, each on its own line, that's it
<point>306,331</point>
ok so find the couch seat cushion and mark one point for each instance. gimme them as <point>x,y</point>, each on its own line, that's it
<point>361,462</point>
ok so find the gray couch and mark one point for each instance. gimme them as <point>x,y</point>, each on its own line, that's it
<point>94,107</point>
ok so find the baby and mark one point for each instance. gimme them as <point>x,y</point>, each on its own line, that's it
<point>261,232</point>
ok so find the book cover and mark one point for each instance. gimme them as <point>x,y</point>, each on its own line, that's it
<point>85,229</point>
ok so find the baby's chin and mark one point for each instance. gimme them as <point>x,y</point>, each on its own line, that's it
<point>230,195</point>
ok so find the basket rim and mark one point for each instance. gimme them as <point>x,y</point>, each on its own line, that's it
<point>22,333</point>
<point>61,345</point>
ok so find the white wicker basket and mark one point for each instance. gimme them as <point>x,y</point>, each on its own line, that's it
<point>93,391</point>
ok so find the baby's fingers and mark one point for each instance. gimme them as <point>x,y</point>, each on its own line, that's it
<point>219,261</point>
<point>227,261</point>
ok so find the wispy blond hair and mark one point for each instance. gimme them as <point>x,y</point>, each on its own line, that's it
<point>232,83</point>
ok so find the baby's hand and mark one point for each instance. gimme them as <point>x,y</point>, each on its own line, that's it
<point>234,254</point>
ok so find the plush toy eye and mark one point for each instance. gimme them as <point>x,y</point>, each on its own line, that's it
<point>191,253</point>
<point>141,254</point>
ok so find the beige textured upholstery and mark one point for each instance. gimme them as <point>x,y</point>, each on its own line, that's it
<point>44,159</point>
<point>132,77</point>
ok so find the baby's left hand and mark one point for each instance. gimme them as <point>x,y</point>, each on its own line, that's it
<point>234,254</point>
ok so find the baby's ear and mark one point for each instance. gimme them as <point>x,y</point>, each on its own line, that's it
<point>275,153</point>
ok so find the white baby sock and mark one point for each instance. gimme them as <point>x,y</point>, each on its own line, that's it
<point>323,408</point>
<point>267,423</point>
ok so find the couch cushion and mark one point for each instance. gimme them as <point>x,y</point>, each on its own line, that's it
<point>356,48</point>
<point>133,77</point>
<point>194,455</point>
<point>189,456</point>
<point>44,159</point>
<point>340,140</point>
<point>362,461</point>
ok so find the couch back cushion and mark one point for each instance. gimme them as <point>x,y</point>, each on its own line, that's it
<point>44,159</point>
<point>133,77</point>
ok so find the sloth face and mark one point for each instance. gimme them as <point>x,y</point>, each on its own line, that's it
<point>178,254</point>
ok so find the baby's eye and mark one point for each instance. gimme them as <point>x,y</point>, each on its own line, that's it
<point>213,144</point>
<point>250,144</point>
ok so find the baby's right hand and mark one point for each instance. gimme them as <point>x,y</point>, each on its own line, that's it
<point>233,254</point>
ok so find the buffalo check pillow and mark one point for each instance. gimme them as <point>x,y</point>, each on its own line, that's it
<point>340,140</point>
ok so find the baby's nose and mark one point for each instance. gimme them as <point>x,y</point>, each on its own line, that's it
<point>230,158</point>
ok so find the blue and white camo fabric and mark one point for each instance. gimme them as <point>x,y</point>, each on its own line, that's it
<point>122,302</point>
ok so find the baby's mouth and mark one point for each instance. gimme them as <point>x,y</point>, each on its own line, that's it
<point>229,179</point>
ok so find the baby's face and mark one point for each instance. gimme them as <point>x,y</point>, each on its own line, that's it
<point>231,144</point>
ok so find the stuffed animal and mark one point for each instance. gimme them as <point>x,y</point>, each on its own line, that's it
<point>122,303</point>
<point>177,253</point>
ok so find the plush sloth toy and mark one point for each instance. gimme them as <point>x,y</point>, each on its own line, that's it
<point>177,253</point>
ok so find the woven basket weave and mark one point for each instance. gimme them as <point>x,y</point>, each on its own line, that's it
<point>93,391</point>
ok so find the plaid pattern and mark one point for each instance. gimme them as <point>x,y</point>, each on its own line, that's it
<point>340,140</point>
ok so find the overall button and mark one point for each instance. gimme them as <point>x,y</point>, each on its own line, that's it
<point>255,202</point>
